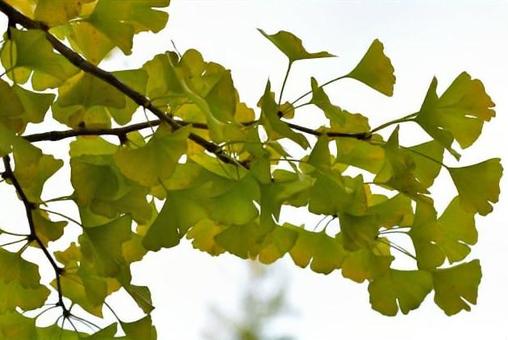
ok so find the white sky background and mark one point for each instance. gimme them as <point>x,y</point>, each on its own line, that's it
<point>423,39</point>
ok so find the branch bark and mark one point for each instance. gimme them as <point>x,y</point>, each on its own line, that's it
<point>8,174</point>
<point>17,17</point>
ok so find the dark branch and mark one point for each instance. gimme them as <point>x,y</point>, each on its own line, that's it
<point>17,17</point>
<point>8,174</point>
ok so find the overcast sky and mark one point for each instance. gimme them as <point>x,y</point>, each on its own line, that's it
<point>423,39</point>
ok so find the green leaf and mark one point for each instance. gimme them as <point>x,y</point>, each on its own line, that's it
<point>235,205</point>
<point>47,230</point>
<point>456,286</point>
<point>203,236</point>
<point>446,237</point>
<point>324,253</point>
<point>399,289</point>
<point>398,171</point>
<point>292,46</point>
<point>427,158</point>
<point>55,13</point>
<point>87,90</point>
<point>102,245</point>
<point>179,213</point>
<point>273,125</point>
<point>375,69</point>
<point>321,100</point>
<point>105,333</point>
<point>140,329</point>
<point>113,24</point>
<point>33,169</point>
<point>333,193</point>
<point>367,263</point>
<point>276,244</point>
<point>99,184</point>
<point>12,108</point>
<point>154,161</point>
<point>478,185</point>
<point>458,114</point>
<point>361,154</point>
<point>31,52</point>
<point>13,325</point>
<point>20,284</point>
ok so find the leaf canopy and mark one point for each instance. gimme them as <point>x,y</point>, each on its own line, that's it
<point>168,152</point>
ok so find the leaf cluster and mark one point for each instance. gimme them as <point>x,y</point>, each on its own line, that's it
<point>218,172</point>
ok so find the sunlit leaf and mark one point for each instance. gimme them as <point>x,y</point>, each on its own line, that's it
<point>375,69</point>
<point>399,289</point>
<point>29,52</point>
<point>457,287</point>
<point>292,46</point>
<point>447,237</point>
<point>458,114</point>
<point>478,185</point>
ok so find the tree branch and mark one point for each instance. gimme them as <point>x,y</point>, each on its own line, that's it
<point>29,208</point>
<point>78,61</point>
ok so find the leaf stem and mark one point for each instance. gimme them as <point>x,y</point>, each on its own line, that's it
<point>404,119</point>
<point>62,215</point>
<point>286,76</point>
<point>320,86</point>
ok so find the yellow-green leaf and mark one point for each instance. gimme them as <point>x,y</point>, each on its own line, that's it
<point>31,52</point>
<point>399,289</point>
<point>154,161</point>
<point>478,185</point>
<point>456,286</point>
<point>292,46</point>
<point>458,114</point>
<point>375,69</point>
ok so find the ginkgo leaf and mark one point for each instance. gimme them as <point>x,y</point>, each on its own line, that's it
<point>81,282</point>
<point>478,185</point>
<point>29,51</point>
<point>33,169</point>
<point>276,244</point>
<point>56,13</point>
<point>398,171</point>
<point>47,230</point>
<point>20,283</point>
<point>104,333</point>
<point>102,245</point>
<point>235,205</point>
<point>12,107</point>
<point>361,154</point>
<point>366,263</point>
<point>14,325</point>
<point>203,236</point>
<point>458,114</point>
<point>99,184</point>
<point>155,161</point>
<point>274,126</point>
<point>447,237</point>
<point>113,24</point>
<point>86,90</point>
<point>179,213</point>
<point>456,286</point>
<point>333,193</point>
<point>399,289</point>
<point>242,240</point>
<point>375,69</point>
<point>140,329</point>
<point>324,253</point>
<point>321,100</point>
<point>427,158</point>
<point>292,46</point>
<point>35,106</point>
